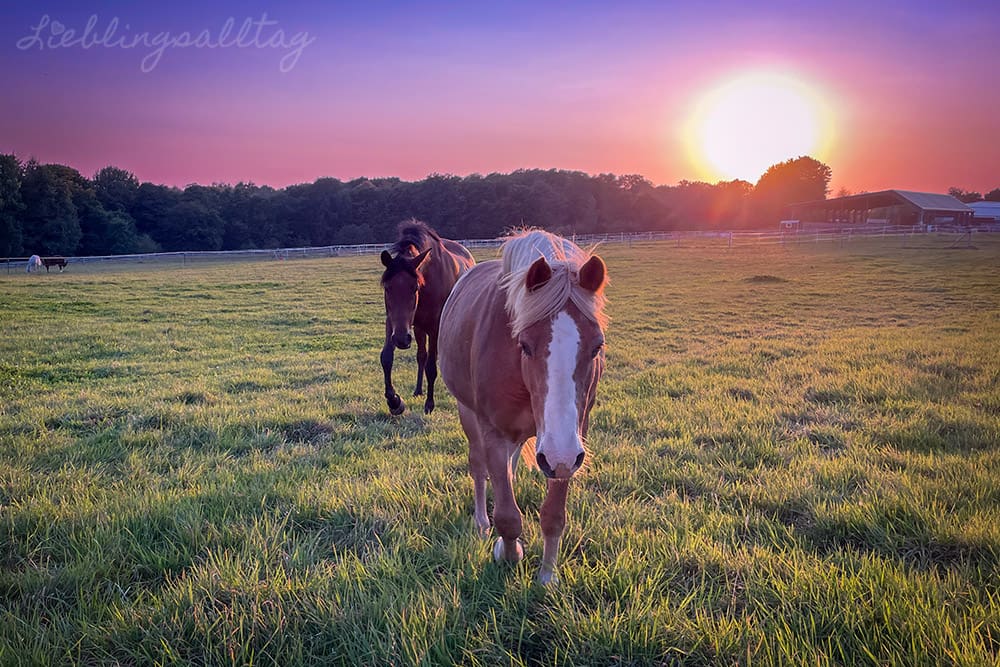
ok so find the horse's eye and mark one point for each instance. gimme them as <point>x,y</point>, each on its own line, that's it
<point>525,349</point>
<point>597,351</point>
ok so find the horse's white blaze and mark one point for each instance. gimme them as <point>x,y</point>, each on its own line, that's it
<point>562,445</point>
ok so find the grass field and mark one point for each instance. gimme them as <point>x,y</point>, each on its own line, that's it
<point>795,459</point>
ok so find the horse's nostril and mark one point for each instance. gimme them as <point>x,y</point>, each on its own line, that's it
<point>543,465</point>
<point>579,459</point>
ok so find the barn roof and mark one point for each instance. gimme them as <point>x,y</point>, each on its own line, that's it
<point>928,201</point>
<point>986,209</point>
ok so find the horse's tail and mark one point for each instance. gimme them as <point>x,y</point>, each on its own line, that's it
<point>528,454</point>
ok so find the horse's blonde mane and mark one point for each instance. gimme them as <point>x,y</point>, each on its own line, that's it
<point>565,258</point>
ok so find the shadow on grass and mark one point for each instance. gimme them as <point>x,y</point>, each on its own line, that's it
<point>145,542</point>
<point>408,423</point>
<point>904,536</point>
<point>942,435</point>
<point>891,532</point>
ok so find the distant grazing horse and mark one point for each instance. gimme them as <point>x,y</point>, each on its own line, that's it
<point>34,263</point>
<point>522,350</point>
<point>416,282</point>
<point>54,261</point>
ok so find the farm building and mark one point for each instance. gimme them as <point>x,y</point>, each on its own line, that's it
<point>986,211</point>
<point>888,207</point>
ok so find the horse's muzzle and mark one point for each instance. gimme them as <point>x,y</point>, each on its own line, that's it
<point>561,471</point>
<point>403,342</point>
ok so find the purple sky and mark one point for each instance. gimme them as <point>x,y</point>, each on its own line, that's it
<point>408,89</point>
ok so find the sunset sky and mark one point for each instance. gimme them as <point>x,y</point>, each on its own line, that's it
<point>892,95</point>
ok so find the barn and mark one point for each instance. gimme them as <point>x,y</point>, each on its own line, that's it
<point>986,211</point>
<point>888,207</point>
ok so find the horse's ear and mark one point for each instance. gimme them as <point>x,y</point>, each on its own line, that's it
<point>593,274</point>
<point>386,258</point>
<point>419,259</point>
<point>538,274</point>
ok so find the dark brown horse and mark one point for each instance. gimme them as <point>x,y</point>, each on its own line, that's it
<point>54,261</point>
<point>522,350</point>
<point>420,271</point>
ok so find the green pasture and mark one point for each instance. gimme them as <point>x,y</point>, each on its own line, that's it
<point>794,460</point>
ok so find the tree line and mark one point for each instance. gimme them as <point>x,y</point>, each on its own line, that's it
<point>52,209</point>
<point>971,196</point>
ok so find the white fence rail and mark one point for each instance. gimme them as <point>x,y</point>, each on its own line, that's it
<point>725,239</point>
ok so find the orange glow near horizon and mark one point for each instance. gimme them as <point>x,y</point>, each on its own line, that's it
<point>753,120</point>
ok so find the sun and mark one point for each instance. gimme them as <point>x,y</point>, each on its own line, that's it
<point>754,120</point>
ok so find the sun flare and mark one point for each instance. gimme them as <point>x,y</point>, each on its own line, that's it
<point>754,120</point>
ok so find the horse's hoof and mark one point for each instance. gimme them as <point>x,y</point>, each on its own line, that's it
<point>418,392</point>
<point>483,526</point>
<point>548,577</point>
<point>396,405</point>
<point>500,552</point>
<point>428,406</point>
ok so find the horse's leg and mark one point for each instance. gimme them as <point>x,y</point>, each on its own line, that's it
<point>430,370</point>
<point>392,399</point>
<point>552,516</point>
<point>421,337</point>
<point>477,467</point>
<point>516,458</point>
<point>506,513</point>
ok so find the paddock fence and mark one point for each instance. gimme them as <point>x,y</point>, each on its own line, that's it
<point>907,236</point>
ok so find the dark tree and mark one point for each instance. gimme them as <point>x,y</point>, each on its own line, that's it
<point>50,224</point>
<point>107,232</point>
<point>151,211</point>
<point>993,195</point>
<point>353,235</point>
<point>116,188</point>
<point>316,211</point>
<point>798,180</point>
<point>191,225</point>
<point>250,218</point>
<point>11,206</point>
<point>965,196</point>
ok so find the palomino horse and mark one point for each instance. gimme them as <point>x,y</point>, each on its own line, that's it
<point>522,350</point>
<point>416,282</point>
